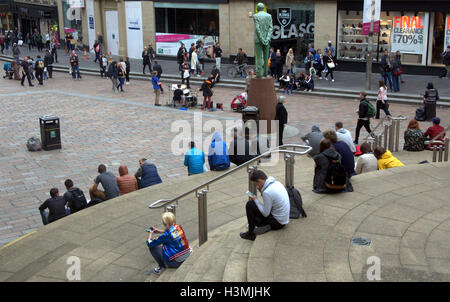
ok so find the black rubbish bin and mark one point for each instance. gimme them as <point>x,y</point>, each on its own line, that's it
<point>430,110</point>
<point>50,133</point>
<point>250,113</point>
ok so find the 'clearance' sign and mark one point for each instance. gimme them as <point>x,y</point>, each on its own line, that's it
<point>409,33</point>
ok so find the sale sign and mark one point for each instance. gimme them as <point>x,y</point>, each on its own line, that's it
<point>447,32</point>
<point>409,33</point>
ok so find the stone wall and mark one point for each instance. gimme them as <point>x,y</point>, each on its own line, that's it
<point>325,14</point>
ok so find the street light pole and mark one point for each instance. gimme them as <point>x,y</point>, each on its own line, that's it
<point>370,48</point>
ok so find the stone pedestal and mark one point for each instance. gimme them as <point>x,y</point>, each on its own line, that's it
<point>262,94</point>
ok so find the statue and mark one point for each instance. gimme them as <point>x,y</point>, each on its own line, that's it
<point>263,35</point>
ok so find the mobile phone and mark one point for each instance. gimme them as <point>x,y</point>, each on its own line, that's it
<point>150,229</point>
<point>250,194</point>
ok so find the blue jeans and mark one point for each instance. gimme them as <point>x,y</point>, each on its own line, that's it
<point>395,83</point>
<point>157,254</point>
<point>76,69</point>
<point>387,77</point>
<point>121,82</point>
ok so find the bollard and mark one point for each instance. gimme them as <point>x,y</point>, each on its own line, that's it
<point>251,184</point>
<point>441,151</point>
<point>446,148</point>
<point>289,169</point>
<point>397,135</point>
<point>385,142</point>
<point>202,217</point>
<point>434,154</point>
<point>391,136</point>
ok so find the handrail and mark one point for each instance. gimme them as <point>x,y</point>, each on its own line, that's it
<point>376,127</point>
<point>394,118</point>
<point>163,202</point>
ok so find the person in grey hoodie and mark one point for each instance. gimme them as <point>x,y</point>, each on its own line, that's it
<point>345,136</point>
<point>313,139</point>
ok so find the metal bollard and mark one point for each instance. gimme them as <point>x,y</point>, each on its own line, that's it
<point>251,184</point>
<point>385,141</point>
<point>441,151</point>
<point>289,169</point>
<point>391,136</point>
<point>202,217</point>
<point>446,145</point>
<point>434,154</point>
<point>397,135</point>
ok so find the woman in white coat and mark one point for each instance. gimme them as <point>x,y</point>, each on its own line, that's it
<point>194,63</point>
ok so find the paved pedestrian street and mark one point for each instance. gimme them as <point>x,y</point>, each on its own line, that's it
<point>99,126</point>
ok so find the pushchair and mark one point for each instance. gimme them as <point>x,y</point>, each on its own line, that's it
<point>16,70</point>
<point>239,102</point>
<point>8,71</point>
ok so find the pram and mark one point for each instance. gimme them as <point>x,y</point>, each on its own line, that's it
<point>8,71</point>
<point>16,70</point>
<point>188,99</point>
<point>239,102</point>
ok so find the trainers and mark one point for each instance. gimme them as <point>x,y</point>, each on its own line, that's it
<point>248,236</point>
<point>158,270</point>
<point>262,229</point>
<point>332,80</point>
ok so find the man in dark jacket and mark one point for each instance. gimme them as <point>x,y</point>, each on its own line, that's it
<point>39,69</point>
<point>56,206</point>
<point>48,62</point>
<point>347,158</point>
<point>26,71</point>
<point>281,116</point>
<point>74,197</point>
<point>363,117</point>
<point>207,93</point>
<point>97,48</point>
<point>446,61</point>
<point>147,174</point>
<point>157,68</point>
<point>146,60</point>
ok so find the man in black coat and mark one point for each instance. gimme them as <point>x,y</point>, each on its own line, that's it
<point>146,60</point>
<point>56,206</point>
<point>26,71</point>
<point>48,63</point>
<point>158,69</point>
<point>281,116</point>
<point>363,117</point>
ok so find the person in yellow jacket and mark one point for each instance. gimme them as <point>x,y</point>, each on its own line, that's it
<point>385,159</point>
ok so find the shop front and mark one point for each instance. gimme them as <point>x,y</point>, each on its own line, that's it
<point>5,17</point>
<point>29,17</point>
<point>72,12</point>
<point>416,29</point>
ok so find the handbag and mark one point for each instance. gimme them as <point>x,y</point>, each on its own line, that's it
<point>186,74</point>
<point>20,42</point>
<point>331,65</point>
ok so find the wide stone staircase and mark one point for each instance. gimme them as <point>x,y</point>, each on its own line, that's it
<point>405,212</point>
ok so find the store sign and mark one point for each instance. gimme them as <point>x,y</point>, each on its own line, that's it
<point>372,10</point>
<point>168,44</point>
<point>284,16</point>
<point>294,31</point>
<point>76,3</point>
<point>447,32</point>
<point>409,33</point>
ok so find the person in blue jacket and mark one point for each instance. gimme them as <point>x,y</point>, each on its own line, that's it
<point>217,156</point>
<point>194,160</point>
<point>147,173</point>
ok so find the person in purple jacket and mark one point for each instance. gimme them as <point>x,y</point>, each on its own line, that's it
<point>347,158</point>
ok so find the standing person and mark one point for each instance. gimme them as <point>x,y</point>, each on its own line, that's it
<point>446,60</point>
<point>194,62</point>
<point>26,71</point>
<point>100,41</point>
<point>39,69</point>
<point>218,54</point>
<point>28,41</point>
<point>146,60</point>
<point>398,60</point>
<point>273,214</point>
<point>191,50</point>
<point>272,55</point>
<point>330,61</point>
<point>290,61</point>
<point>56,206</point>
<point>278,65</point>
<point>185,70</point>
<point>47,40</point>
<point>39,41</point>
<point>120,75</point>
<point>53,51</point>
<point>201,53</point>
<point>181,54</point>
<point>158,69</point>
<point>281,116</point>
<point>194,159</point>
<point>96,48</point>
<point>109,184</point>
<point>48,62</point>
<point>382,102</point>
<point>103,64</point>
<point>207,93</point>
<point>318,58</point>
<point>330,47</point>
<point>74,197</point>
<point>74,63</point>
<point>113,74</point>
<point>127,71</point>
<point>16,52</point>
<point>2,43</point>
<point>151,53</point>
<point>396,73</point>
<point>363,116</point>
<point>387,75</point>
<point>215,75</point>
<point>156,87</point>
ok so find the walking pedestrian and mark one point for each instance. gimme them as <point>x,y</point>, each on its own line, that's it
<point>281,116</point>
<point>396,73</point>
<point>201,53</point>
<point>113,75</point>
<point>157,68</point>
<point>331,64</point>
<point>16,52</point>
<point>218,54</point>
<point>387,76</point>
<point>48,62</point>
<point>120,74</point>
<point>363,116</point>
<point>127,71</point>
<point>151,52</point>
<point>26,71</point>
<point>194,62</point>
<point>290,61</point>
<point>318,58</point>
<point>103,64</point>
<point>146,60</point>
<point>185,70</point>
<point>96,49</point>
<point>382,102</point>
<point>156,87</point>
<point>39,69</point>
<point>53,47</point>
<point>181,54</point>
<point>2,43</point>
<point>74,64</point>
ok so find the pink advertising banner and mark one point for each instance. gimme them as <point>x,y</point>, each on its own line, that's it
<point>370,7</point>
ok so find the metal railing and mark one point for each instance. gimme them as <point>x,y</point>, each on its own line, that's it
<point>440,148</point>
<point>389,139</point>
<point>202,190</point>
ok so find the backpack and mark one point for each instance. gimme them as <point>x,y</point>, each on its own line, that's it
<point>420,114</point>
<point>78,199</point>
<point>41,64</point>
<point>34,144</point>
<point>443,73</point>
<point>336,178</point>
<point>371,110</point>
<point>296,202</point>
<point>110,71</point>
<point>97,48</point>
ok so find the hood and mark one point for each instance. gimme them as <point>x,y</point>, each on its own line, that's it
<point>270,180</point>
<point>123,170</point>
<point>315,128</point>
<point>331,153</point>
<point>386,155</point>
<point>342,131</point>
<point>216,137</point>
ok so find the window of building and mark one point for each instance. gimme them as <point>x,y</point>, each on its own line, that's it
<point>187,21</point>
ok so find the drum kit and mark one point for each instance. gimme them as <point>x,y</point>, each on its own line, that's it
<point>188,99</point>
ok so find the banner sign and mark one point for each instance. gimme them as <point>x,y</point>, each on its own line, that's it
<point>367,16</point>
<point>409,33</point>
<point>447,32</point>
<point>168,44</point>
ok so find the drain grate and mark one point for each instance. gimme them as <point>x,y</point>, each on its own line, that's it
<point>360,241</point>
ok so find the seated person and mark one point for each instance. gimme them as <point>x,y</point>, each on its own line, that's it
<point>171,248</point>
<point>367,162</point>
<point>414,139</point>
<point>127,183</point>
<point>284,81</point>
<point>178,96</point>
<point>290,86</point>
<point>194,160</point>
<point>300,81</point>
<point>385,159</point>
<point>345,136</point>
<point>56,206</point>
<point>74,197</point>
<point>147,174</point>
<point>109,184</point>
<point>215,75</point>
<point>433,131</point>
<point>239,151</point>
<point>309,82</point>
<point>347,158</point>
<point>313,139</point>
<point>273,214</point>
<point>323,160</point>
<point>217,155</point>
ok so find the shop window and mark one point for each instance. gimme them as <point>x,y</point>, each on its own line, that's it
<point>438,39</point>
<point>187,21</point>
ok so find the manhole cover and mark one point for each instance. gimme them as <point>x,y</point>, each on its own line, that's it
<point>360,241</point>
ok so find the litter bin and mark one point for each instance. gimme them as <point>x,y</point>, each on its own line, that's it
<point>250,113</point>
<point>50,132</point>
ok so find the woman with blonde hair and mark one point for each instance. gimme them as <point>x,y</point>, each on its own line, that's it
<point>290,61</point>
<point>414,139</point>
<point>171,248</point>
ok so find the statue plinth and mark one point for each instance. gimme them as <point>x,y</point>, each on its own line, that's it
<point>261,93</point>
